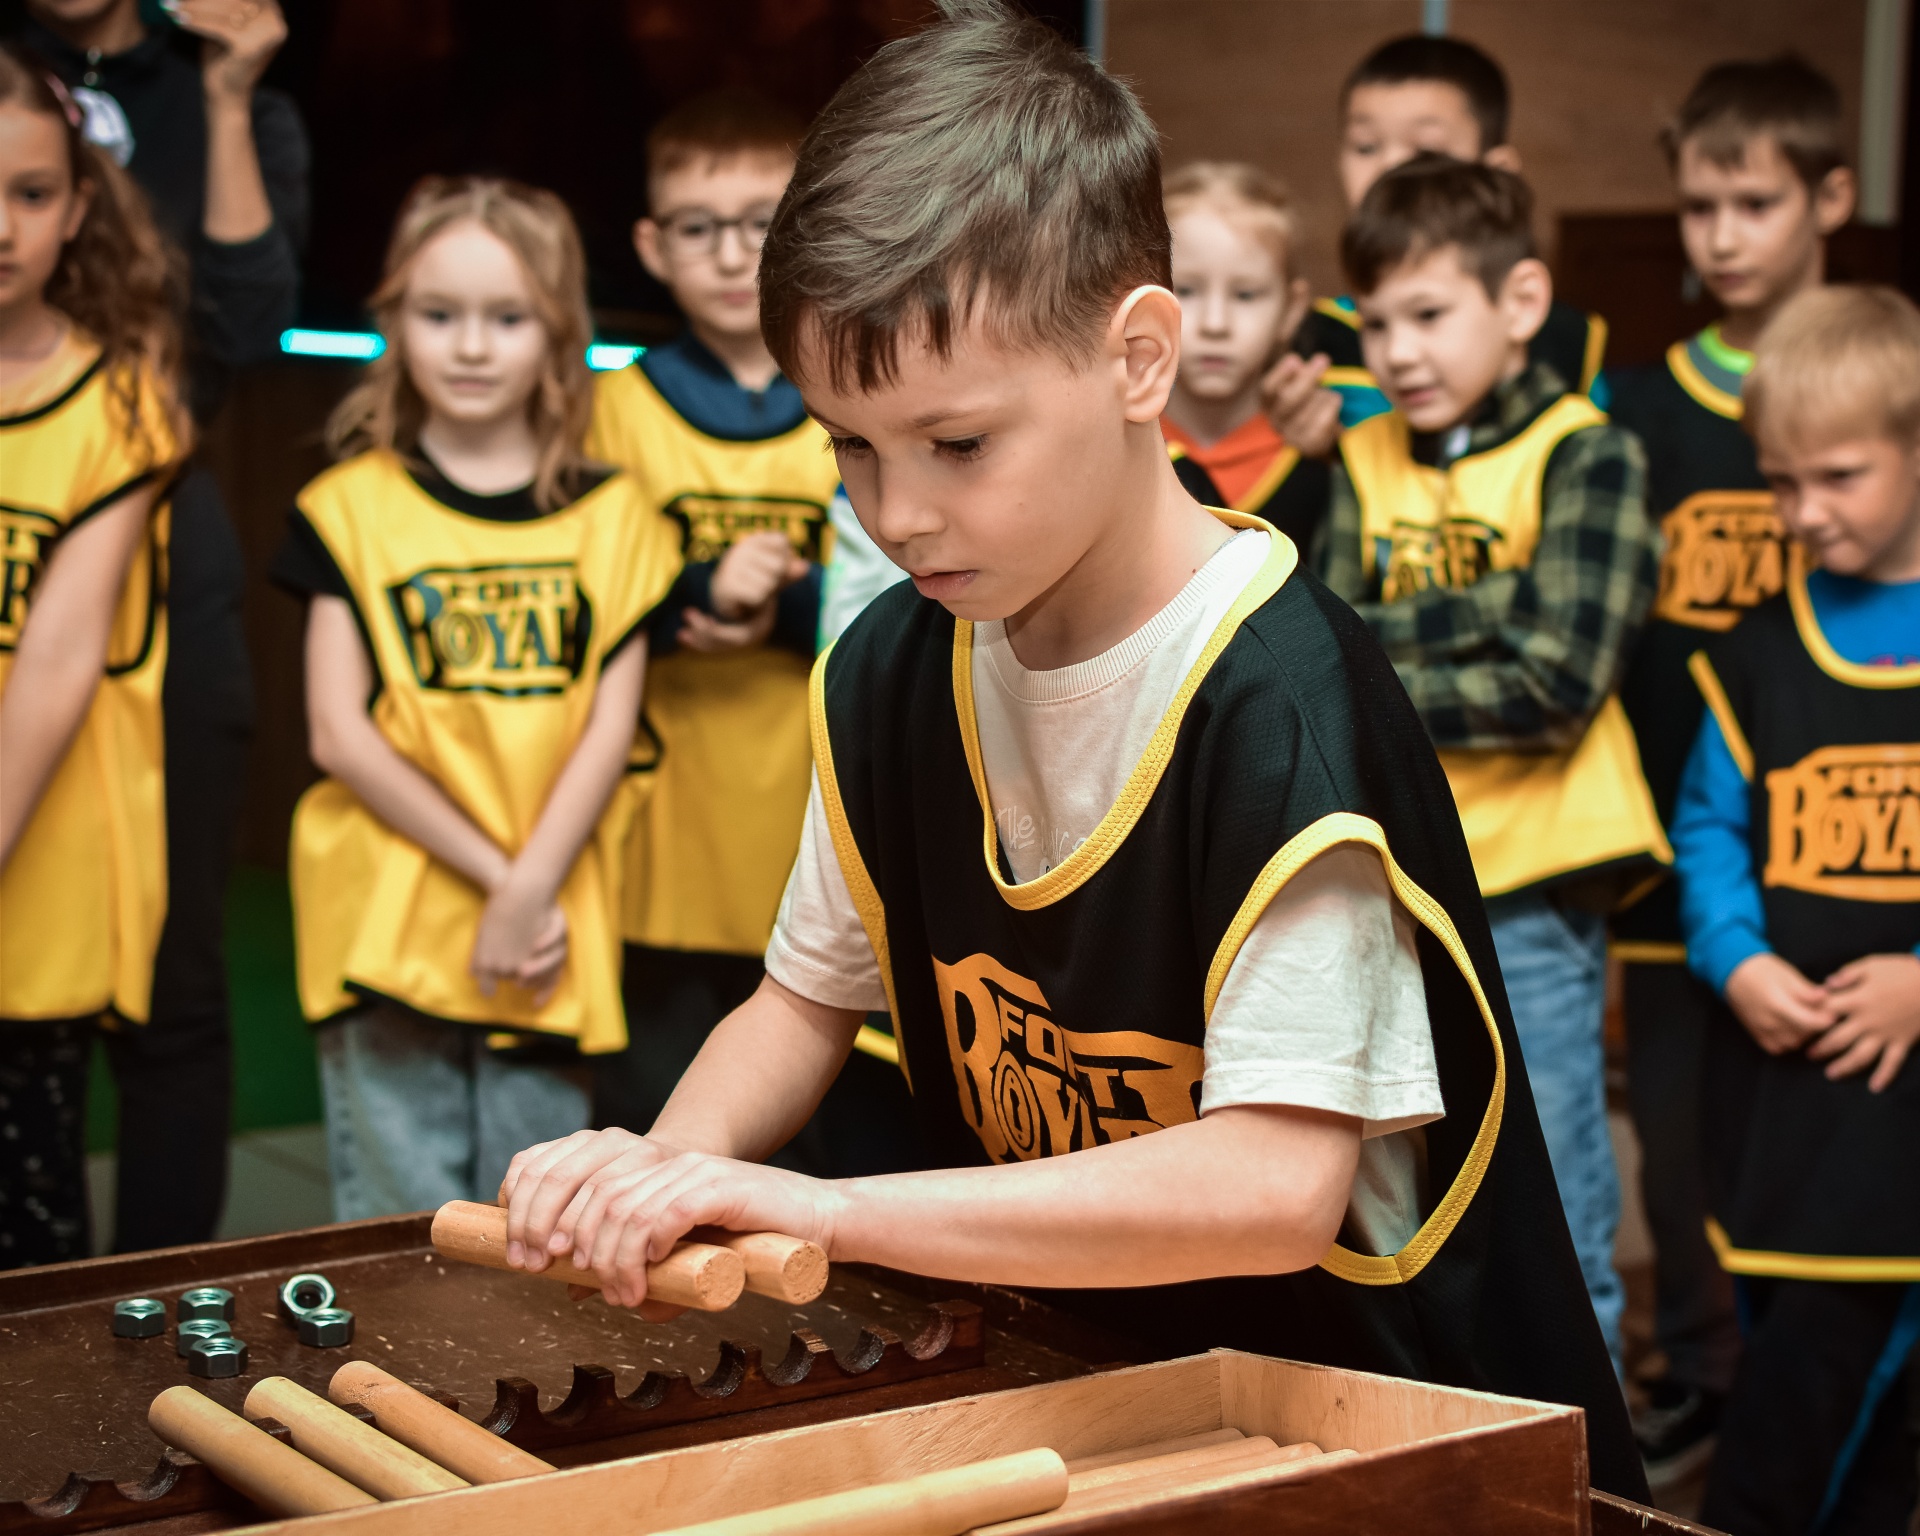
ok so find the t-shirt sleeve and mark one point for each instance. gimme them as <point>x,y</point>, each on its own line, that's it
<point>303,564</point>
<point>1325,1006</point>
<point>819,948</point>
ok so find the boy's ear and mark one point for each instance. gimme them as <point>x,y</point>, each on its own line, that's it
<point>647,246</point>
<point>1833,199</point>
<point>1525,297</point>
<point>1145,331</point>
<point>1502,157</point>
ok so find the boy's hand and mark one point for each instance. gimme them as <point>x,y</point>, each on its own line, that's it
<point>704,633</point>
<point>752,572</point>
<point>522,938</point>
<point>1306,415</point>
<point>1877,1000</point>
<point>1780,1007</point>
<point>618,1202</point>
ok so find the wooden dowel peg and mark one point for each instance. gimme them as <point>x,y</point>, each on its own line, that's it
<point>434,1430</point>
<point>1150,1480</point>
<point>336,1439</point>
<point>275,1476</point>
<point>788,1269</point>
<point>932,1504</point>
<point>1229,1455</point>
<point>1197,1442</point>
<point>704,1276</point>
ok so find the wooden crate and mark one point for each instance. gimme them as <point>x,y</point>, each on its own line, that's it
<point>1430,1457</point>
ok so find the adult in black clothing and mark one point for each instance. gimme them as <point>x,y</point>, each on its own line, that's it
<point>225,164</point>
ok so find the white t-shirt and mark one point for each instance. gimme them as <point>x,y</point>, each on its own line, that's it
<point>1324,1006</point>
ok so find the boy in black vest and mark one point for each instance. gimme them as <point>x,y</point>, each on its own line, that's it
<point>1118,812</point>
<point>1491,531</point>
<point>1797,836</point>
<point>1411,95</point>
<point>1757,162</point>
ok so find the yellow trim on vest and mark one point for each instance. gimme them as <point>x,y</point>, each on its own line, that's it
<point>1708,682</point>
<point>1346,827</point>
<point>1647,952</point>
<point>880,1045</point>
<point>1595,354</point>
<point>1825,657</point>
<point>1333,309</point>
<point>1271,479</point>
<point>1349,378</point>
<point>804,427</point>
<point>1085,861</point>
<point>1696,383</point>
<point>1807,1266</point>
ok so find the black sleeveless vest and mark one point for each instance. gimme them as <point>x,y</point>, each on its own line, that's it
<point>1809,1178</point>
<point>1048,1017</point>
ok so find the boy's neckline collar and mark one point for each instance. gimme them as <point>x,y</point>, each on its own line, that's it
<point>1714,351</point>
<point>1506,411</point>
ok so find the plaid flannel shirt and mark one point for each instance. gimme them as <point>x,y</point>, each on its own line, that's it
<point>1522,659</point>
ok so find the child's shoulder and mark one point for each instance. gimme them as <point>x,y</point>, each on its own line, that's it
<point>373,471</point>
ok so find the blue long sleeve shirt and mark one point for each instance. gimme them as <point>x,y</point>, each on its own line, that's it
<point>1721,914</point>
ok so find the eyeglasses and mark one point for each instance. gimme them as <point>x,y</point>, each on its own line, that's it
<point>690,232</point>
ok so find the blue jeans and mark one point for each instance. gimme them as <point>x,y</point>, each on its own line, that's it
<point>420,1112</point>
<point>1555,964</point>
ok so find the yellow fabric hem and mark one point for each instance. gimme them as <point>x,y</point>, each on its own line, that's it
<point>866,895</point>
<point>1349,378</point>
<point>1334,310</point>
<point>1708,682</point>
<point>1825,657</point>
<point>880,1045</point>
<point>1346,827</point>
<point>1696,384</point>
<point>1085,861</point>
<point>1595,353</point>
<point>1647,952</point>
<point>1270,481</point>
<point>1807,1266</point>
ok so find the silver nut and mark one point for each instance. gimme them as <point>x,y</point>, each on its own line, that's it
<point>142,1318</point>
<point>190,1333</point>
<point>221,1356</point>
<point>303,1294</point>
<point>326,1327</point>
<point>206,1301</point>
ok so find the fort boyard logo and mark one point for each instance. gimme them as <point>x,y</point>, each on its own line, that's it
<point>1726,552</point>
<point>1454,555</point>
<point>25,537</point>
<point>711,525</point>
<point>1845,822</point>
<point>514,630</point>
<point>1029,1087</point>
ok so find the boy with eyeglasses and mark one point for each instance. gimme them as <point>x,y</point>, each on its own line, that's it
<point>724,447</point>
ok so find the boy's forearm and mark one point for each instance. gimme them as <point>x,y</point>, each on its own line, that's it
<point>760,1075</point>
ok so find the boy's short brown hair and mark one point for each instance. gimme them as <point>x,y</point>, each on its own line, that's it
<point>1784,98</point>
<point>1837,362</point>
<point>1420,59</point>
<point>718,125</point>
<point>1434,201</point>
<point>1241,191</point>
<point>981,162</point>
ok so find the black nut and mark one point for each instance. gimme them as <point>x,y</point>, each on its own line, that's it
<point>206,1301</point>
<point>223,1355</point>
<point>192,1332</point>
<point>326,1327</point>
<point>303,1294</point>
<point>141,1318</point>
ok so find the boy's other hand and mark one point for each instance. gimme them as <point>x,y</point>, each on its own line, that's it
<point>1877,1000</point>
<point>752,572</point>
<point>522,938</point>
<point>1302,412</point>
<point>703,632</point>
<point>1781,1009</point>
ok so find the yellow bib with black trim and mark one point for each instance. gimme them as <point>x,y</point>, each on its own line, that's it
<point>488,639</point>
<point>1529,816</point>
<point>724,754</point>
<point>84,896</point>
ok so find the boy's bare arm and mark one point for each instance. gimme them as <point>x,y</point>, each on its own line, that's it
<point>1245,1191</point>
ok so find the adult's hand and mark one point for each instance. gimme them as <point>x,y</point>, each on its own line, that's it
<point>239,40</point>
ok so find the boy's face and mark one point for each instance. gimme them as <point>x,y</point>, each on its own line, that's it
<point>1237,306</point>
<point>703,238</point>
<point>1438,343</point>
<point>990,475</point>
<point>1752,230</point>
<point>1853,502</point>
<point>1387,125</point>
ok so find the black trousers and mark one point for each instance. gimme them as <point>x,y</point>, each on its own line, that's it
<point>1695,1322</point>
<point>1819,1432</point>
<point>674,998</point>
<point>43,1141</point>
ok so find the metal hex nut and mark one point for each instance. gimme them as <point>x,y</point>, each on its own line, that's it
<point>326,1327</point>
<point>223,1355</point>
<point>194,1330</point>
<point>303,1294</point>
<point>141,1318</point>
<point>206,1301</point>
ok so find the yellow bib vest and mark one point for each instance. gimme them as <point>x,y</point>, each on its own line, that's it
<point>488,639</point>
<point>717,820</point>
<point>1529,817</point>
<point>84,896</point>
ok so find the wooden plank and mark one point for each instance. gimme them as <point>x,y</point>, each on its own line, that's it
<point>1622,1517</point>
